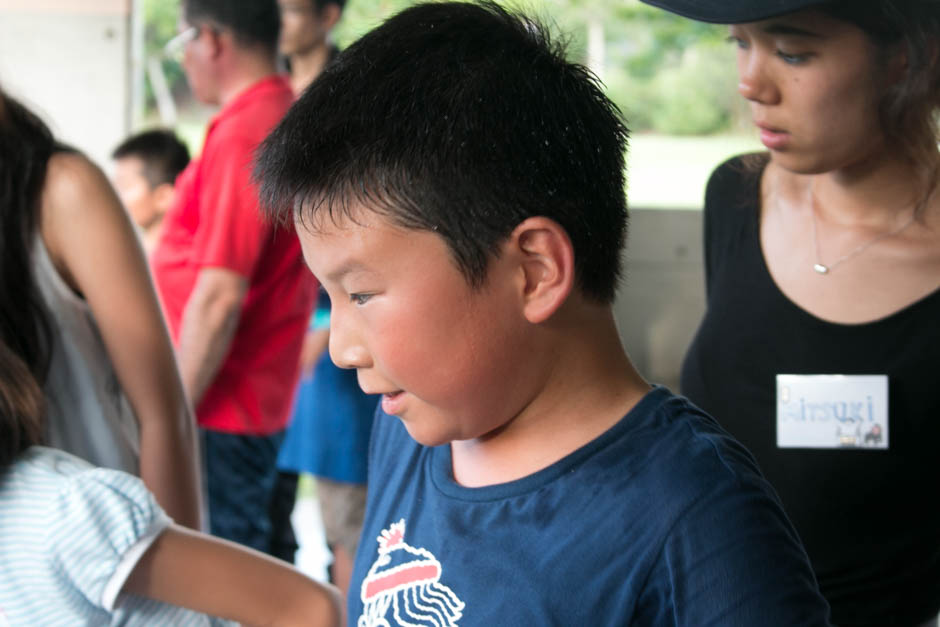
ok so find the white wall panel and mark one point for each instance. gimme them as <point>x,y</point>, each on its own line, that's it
<point>69,60</point>
<point>662,299</point>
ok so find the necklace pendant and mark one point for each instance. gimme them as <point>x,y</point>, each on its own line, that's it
<point>820,268</point>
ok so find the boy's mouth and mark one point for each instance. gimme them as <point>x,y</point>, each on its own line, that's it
<point>391,402</point>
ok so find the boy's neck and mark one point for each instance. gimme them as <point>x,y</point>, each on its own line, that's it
<point>590,385</point>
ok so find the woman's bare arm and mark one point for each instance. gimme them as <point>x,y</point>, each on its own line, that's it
<point>93,246</point>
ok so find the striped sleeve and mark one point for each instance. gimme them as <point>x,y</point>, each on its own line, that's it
<point>101,523</point>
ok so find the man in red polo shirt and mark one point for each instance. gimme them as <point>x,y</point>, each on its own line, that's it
<point>234,288</point>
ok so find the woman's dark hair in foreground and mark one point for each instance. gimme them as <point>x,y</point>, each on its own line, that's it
<point>21,403</point>
<point>462,119</point>
<point>909,108</point>
<point>26,145</point>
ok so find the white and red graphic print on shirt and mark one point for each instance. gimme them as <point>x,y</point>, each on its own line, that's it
<point>406,581</point>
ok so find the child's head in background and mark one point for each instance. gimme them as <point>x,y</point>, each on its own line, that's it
<point>145,169</point>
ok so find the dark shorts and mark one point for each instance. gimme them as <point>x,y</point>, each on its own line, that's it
<point>240,476</point>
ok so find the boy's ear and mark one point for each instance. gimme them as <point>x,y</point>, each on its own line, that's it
<point>546,258</point>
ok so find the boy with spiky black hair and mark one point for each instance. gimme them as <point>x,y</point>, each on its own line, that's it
<point>457,186</point>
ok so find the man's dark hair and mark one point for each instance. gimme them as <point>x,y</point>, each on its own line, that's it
<point>163,155</point>
<point>461,119</point>
<point>253,22</point>
<point>319,5</point>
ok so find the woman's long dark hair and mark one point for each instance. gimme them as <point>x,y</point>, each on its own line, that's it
<point>26,144</point>
<point>21,403</point>
<point>909,109</point>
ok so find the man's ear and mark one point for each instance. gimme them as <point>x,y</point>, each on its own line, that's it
<point>546,260</point>
<point>216,39</point>
<point>330,15</point>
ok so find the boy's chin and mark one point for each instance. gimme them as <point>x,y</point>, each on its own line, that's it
<point>427,430</point>
<point>425,437</point>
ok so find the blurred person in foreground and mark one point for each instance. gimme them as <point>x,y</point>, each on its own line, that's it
<point>458,188</point>
<point>145,169</point>
<point>233,286</point>
<point>90,546</point>
<point>78,307</point>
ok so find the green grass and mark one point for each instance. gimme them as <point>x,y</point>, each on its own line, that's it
<point>670,172</point>
<point>192,131</point>
<point>306,487</point>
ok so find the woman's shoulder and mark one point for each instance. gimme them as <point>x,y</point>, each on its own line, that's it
<point>46,479</point>
<point>74,492</point>
<point>80,212</point>
<point>55,471</point>
<point>74,184</point>
<point>733,197</point>
<point>736,180</point>
<point>50,464</point>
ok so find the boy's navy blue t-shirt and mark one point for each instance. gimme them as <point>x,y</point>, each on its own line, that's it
<point>662,520</point>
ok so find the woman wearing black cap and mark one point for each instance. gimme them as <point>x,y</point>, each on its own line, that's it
<point>823,258</point>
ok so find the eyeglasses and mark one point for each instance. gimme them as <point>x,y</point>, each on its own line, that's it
<point>298,8</point>
<point>174,48</point>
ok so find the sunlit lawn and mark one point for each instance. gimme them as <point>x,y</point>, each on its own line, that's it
<point>306,487</point>
<point>192,130</point>
<point>671,172</point>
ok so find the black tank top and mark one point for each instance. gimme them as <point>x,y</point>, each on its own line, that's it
<point>870,520</point>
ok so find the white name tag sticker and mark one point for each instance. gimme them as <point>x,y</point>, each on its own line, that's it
<point>832,411</point>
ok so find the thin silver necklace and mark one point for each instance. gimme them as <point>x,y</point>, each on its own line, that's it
<point>821,268</point>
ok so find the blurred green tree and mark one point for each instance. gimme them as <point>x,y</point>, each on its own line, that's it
<point>160,18</point>
<point>666,73</point>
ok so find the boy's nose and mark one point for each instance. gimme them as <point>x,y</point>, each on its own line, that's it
<point>346,348</point>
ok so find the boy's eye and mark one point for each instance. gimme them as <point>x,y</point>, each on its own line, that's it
<point>737,41</point>
<point>359,299</point>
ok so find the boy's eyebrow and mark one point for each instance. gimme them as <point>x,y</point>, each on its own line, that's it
<point>347,267</point>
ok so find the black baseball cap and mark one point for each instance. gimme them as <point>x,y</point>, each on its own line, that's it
<point>732,11</point>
